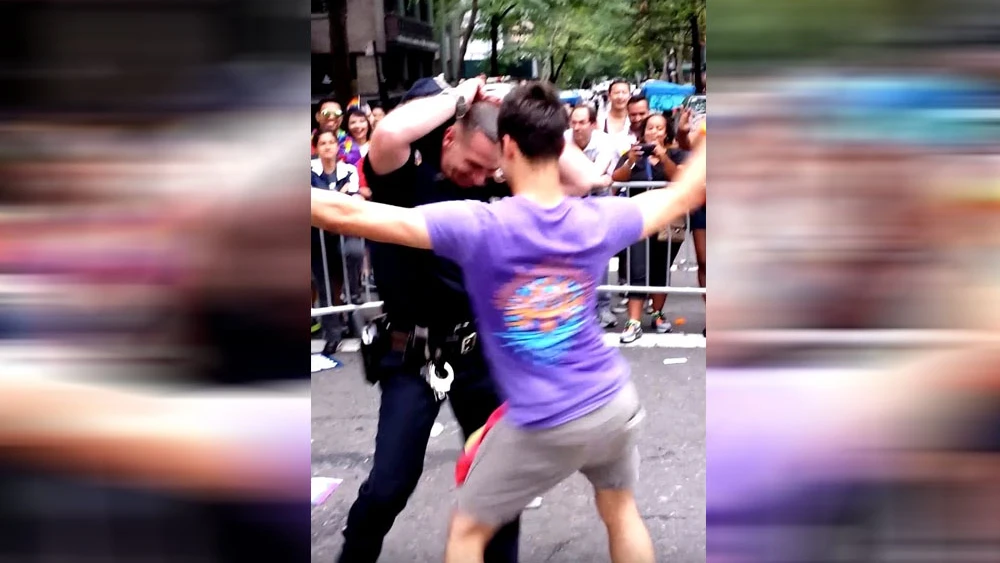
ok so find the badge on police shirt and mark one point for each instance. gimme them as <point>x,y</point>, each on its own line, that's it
<point>418,158</point>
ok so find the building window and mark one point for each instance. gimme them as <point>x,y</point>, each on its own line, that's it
<point>319,7</point>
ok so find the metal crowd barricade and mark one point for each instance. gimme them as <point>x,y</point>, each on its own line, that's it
<point>327,299</point>
<point>625,188</point>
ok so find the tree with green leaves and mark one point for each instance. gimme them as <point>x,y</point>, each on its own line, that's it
<point>578,40</point>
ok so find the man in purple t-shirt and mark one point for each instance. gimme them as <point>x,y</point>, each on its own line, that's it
<point>531,264</point>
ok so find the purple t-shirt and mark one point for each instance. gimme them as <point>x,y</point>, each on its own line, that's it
<point>531,275</point>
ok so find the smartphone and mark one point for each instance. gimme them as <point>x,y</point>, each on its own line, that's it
<point>647,149</point>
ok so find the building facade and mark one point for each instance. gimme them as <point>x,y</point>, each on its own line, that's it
<point>391,44</point>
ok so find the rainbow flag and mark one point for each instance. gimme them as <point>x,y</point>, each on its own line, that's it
<point>356,103</point>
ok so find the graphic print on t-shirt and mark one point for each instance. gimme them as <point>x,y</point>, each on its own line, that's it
<point>544,308</point>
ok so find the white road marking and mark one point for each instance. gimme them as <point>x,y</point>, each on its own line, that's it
<point>674,361</point>
<point>437,429</point>
<point>350,345</point>
<point>321,362</point>
<point>670,340</point>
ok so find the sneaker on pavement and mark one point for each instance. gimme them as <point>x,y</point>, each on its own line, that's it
<point>632,332</point>
<point>661,324</point>
<point>607,319</point>
<point>620,307</point>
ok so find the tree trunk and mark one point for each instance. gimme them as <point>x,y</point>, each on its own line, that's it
<point>466,37</point>
<point>558,69</point>
<point>441,18</point>
<point>496,20</point>
<point>340,67</point>
<point>665,75</point>
<point>699,84</point>
<point>456,62</point>
<point>494,40</point>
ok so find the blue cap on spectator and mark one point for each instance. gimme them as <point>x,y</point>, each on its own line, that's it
<point>422,88</point>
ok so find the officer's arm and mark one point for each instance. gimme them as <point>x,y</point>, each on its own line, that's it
<point>391,140</point>
<point>352,216</point>
<point>663,206</point>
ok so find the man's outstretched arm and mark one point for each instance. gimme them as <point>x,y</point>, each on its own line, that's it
<point>346,215</point>
<point>663,206</point>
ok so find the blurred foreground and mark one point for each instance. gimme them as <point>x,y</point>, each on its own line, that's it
<point>154,400</point>
<point>854,367</point>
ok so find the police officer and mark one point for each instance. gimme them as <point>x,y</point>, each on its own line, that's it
<point>440,147</point>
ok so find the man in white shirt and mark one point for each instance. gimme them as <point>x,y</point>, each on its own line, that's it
<point>615,121</point>
<point>600,149</point>
<point>595,144</point>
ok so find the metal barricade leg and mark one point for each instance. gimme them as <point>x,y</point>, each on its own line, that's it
<point>332,325</point>
<point>326,270</point>
<point>343,263</point>
<point>649,244</point>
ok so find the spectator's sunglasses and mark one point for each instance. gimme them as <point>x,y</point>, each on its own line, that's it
<point>331,113</point>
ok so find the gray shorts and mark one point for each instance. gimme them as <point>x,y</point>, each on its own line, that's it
<point>515,465</point>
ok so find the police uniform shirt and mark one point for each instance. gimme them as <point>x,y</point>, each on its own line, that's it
<point>417,287</point>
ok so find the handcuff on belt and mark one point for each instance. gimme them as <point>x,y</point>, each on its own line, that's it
<point>437,371</point>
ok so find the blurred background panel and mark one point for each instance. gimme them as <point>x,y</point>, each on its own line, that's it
<point>854,371</point>
<point>154,400</point>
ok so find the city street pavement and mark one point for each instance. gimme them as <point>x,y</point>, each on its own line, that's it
<point>565,529</point>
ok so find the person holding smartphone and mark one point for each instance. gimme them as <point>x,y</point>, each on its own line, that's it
<point>651,159</point>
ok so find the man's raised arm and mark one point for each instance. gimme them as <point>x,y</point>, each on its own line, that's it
<point>663,206</point>
<point>391,140</point>
<point>352,216</point>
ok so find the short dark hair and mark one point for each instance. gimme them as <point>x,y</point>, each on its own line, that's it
<point>534,118</point>
<point>591,111</point>
<point>357,111</point>
<point>638,98</point>
<point>618,81</point>
<point>482,117</point>
<point>329,100</point>
<point>320,132</point>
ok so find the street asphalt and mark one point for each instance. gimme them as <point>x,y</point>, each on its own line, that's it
<point>565,528</point>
